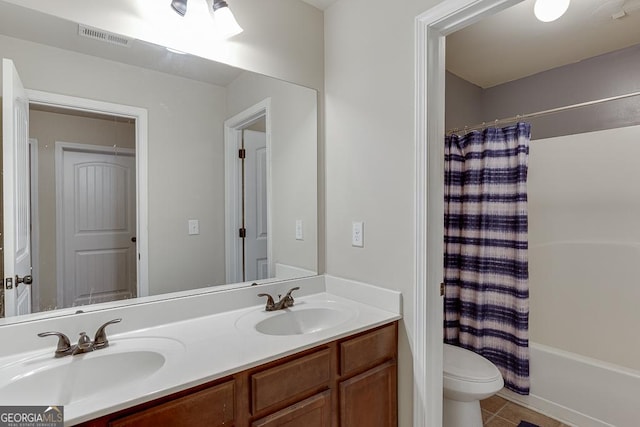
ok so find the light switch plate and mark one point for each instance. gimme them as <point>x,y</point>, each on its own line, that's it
<point>299,228</point>
<point>357,234</point>
<point>194,227</point>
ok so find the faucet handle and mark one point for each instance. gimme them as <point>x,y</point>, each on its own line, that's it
<point>288,299</point>
<point>64,345</point>
<point>270,303</point>
<point>100,340</point>
<point>292,289</point>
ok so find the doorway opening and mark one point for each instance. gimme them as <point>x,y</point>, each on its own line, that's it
<point>30,160</point>
<point>432,27</point>
<point>85,246</point>
<point>247,195</point>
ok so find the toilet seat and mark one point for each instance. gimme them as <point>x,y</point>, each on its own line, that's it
<point>465,365</point>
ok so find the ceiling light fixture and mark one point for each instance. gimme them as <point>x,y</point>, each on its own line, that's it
<point>550,10</point>
<point>225,22</point>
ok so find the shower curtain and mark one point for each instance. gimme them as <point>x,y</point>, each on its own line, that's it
<point>486,305</point>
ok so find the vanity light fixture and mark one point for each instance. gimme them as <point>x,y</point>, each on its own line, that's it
<point>180,6</point>
<point>226,24</point>
<point>550,10</point>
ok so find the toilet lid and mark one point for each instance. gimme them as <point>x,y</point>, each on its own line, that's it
<point>468,366</point>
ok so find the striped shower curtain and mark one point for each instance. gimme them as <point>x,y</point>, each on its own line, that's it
<point>485,262</point>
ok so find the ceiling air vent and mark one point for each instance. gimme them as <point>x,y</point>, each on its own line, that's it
<point>105,36</point>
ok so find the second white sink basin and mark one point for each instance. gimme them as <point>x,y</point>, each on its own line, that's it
<point>45,380</point>
<point>295,322</point>
<point>303,318</point>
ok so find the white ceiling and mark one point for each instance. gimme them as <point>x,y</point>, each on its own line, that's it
<point>514,44</point>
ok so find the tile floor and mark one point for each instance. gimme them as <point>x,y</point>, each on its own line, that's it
<point>499,412</point>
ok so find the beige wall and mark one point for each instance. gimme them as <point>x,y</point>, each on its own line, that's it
<point>369,85</point>
<point>47,128</point>
<point>186,160</point>
<point>294,167</point>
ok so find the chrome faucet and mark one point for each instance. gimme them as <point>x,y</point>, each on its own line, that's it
<point>283,303</point>
<point>84,345</point>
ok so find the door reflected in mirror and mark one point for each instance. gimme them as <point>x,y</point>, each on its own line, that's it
<point>126,208</point>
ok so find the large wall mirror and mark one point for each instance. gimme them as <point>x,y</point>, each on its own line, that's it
<point>131,171</point>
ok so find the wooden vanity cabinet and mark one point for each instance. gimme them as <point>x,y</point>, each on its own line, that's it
<point>351,382</point>
<point>291,381</point>
<point>213,406</point>
<point>314,411</point>
<point>368,381</point>
<point>369,399</point>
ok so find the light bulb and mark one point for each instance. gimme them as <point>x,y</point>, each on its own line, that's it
<point>550,10</point>
<point>226,24</point>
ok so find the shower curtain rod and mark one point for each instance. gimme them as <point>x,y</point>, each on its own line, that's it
<point>542,113</point>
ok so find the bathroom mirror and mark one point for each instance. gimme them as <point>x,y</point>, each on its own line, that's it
<point>169,157</point>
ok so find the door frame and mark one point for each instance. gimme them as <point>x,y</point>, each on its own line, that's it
<point>60,148</point>
<point>140,115</point>
<point>431,29</point>
<point>35,223</point>
<point>233,128</point>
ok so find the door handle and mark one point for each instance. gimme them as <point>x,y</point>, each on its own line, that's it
<point>133,239</point>
<point>27,280</point>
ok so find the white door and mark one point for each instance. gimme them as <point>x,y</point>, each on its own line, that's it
<point>16,207</point>
<point>255,206</point>
<point>98,227</point>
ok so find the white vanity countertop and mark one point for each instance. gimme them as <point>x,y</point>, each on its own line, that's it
<point>218,345</point>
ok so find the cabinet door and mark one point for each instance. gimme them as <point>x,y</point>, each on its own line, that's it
<point>370,399</point>
<point>209,407</point>
<point>312,412</point>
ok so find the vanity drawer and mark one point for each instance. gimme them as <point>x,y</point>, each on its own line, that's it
<point>213,407</point>
<point>285,383</point>
<point>312,412</point>
<point>368,350</point>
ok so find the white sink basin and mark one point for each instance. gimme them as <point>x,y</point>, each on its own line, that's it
<point>302,318</point>
<point>45,380</point>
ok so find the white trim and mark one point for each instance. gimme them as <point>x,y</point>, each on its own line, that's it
<point>35,225</point>
<point>430,31</point>
<point>232,143</point>
<point>140,116</point>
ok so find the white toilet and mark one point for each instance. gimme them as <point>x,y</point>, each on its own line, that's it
<point>468,378</point>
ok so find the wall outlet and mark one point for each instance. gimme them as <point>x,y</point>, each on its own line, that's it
<point>194,227</point>
<point>299,233</point>
<point>357,234</point>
